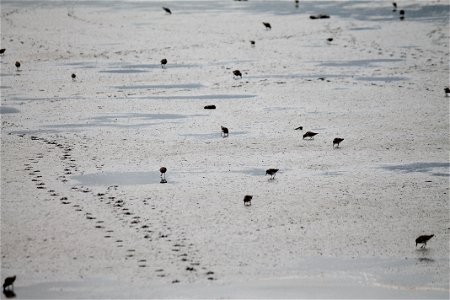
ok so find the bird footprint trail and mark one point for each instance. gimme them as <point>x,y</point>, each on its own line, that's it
<point>154,235</point>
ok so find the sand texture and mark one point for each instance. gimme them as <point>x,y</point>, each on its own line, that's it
<point>83,212</point>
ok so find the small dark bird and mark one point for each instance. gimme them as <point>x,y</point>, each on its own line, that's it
<point>330,39</point>
<point>272,173</point>
<point>248,200</point>
<point>447,91</point>
<point>299,128</point>
<point>2,51</point>
<point>163,171</point>
<point>395,6</point>
<point>337,141</point>
<point>252,43</point>
<point>17,65</point>
<point>210,106</point>
<point>402,14</point>
<point>309,134</point>
<point>267,25</point>
<point>163,62</point>
<point>237,73</point>
<point>423,239</point>
<point>74,76</point>
<point>9,281</point>
<point>167,10</point>
<point>224,131</point>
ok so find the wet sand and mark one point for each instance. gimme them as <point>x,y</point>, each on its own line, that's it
<point>83,213</point>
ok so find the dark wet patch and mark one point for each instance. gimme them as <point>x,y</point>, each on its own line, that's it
<point>121,71</point>
<point>194,97</point>
<point>8,110</point>
<point>359,62</point>
<point>421,167</point>
<point>161,86</point>
<point>381,78</point>
<point>213,135</point>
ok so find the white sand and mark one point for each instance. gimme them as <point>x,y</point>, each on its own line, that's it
<point>335,223</point>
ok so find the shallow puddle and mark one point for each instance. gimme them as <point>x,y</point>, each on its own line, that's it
<point>8,110</point>
<point>160,86</point>
<point>120,178</point>
<point>434,168</point>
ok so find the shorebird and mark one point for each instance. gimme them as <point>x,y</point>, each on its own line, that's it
<point>167,10</point>
<point>9,281</point>
<point>248,200</point>
<point>299,128</point>
<point>330,39</point>
<point>163,62</point>
<point>17,65</point>
<point>224,131</point>
<point>163,171</point>
<point>337,141</point>
<point>395,6</point>
<point>237,73</point>
<point>267,25</point>
<point>252,43</point>
<point>402,14</point>
<point>210,106</point>
<point>447,91</point>
<point>309,134</point>
<point>2,51</point>
<point>423,239</point>
<point>272,173</point>
<point>74,76</point>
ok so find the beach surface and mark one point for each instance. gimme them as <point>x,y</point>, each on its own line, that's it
<point>83,212</point>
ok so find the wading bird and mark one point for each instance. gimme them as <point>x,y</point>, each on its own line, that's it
<point>163,171</point>
<point>395,6</point>
<point>224,131</point>
<point>423,239</point>
<point>272,173</point>
<point>309,134</point>
<point>248,200</point>
<point>163,62</point>
<point>237,73</point>
<point>17,65</point>
<point>337,141</point>
<point>267,25</point>
<point>9,281</point>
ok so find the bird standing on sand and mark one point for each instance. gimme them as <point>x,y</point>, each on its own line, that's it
<point>17,65</point>
<point>267,25</point>
<point>329,40</point>
<point>224,131</point>
<point>395,6</point>
<point>9,281</point>
<point>73,76</point>
<point>423,239</point>
<point>248,200</point>
<point>447,91</point>
<point>163,62</point>
<point>272,173</point>
<point>163,171</point>
<point>237,73</point>
<point>309,134</point>
<point>252,43</point>
<point>337,141</point>
<point>168,11</point>
<point>2,51</point>
<point>299,128</point>
<point>402,14</point>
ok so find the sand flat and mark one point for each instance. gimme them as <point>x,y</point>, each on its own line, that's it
<point>83,214</point>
